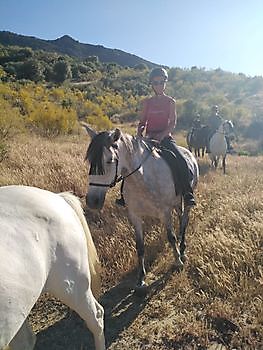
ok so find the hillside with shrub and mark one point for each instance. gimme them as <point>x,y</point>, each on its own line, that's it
<point>48,93</point>
<point>71,47</point>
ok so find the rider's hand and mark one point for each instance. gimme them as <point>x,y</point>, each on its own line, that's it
<point>140,131</point>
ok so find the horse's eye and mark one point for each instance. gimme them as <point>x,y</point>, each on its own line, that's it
<point>115,146</point>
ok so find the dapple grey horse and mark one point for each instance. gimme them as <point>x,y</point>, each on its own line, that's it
<point>149,190</point>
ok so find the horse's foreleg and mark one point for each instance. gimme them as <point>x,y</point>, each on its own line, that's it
<point>72,285</point>
<point>92,313</point>
<point>137,223</point>
<point>183,223</point>
<point>172,240</point>
<point>216,162</point>
<point>224,164</point>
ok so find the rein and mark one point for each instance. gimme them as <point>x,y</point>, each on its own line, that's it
<point>121,177</point>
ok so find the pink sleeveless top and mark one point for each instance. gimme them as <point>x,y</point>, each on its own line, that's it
<point>157,115</point>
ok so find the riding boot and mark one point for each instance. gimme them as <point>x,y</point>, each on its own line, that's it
<point>182,172</point>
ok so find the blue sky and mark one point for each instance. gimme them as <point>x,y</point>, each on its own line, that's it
<point>226,34</point>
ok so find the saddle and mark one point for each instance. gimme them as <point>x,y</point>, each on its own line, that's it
<point>171,159</point>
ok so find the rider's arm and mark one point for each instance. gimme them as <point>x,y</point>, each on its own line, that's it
<point>143,118</point>
<point>172,117</point>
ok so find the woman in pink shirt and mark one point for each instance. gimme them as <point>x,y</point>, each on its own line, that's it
<point>158,119</point>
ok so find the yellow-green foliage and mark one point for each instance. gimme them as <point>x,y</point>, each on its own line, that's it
<point>2,73</point>
<point>52,111</point>
<point>111,103</point>
<point>10,119</point>
<point>51,119</point>
<point>95,116</point>
<point>10,122</point>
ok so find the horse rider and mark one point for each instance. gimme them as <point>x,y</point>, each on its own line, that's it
<point>157,121</point>
<point>196,122</point>
<point>214,122</point>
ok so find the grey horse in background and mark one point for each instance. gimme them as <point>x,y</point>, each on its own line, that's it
<point>197,140</point>
<point>218,144</point>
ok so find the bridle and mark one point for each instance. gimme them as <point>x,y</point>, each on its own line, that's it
<point>114,181</point>
<point>122,177</point>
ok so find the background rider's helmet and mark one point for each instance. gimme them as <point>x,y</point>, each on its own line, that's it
<point>158,72</point>
<point>215,108</point>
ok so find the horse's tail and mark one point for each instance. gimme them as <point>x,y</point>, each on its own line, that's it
<point>94,263</point>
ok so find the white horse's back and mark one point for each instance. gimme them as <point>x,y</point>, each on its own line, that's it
<point>42,248</point>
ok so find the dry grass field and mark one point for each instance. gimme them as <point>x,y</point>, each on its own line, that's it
<point>216,302</point>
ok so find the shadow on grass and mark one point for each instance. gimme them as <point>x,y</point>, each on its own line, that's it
<point>121,305</point>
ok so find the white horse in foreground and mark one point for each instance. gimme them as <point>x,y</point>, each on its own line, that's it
<point>218,144</point>
<point>148,188</point>
<point>45,246</point>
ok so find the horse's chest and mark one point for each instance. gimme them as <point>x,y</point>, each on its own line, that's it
<point>218,144</point>
<point>146,200</point>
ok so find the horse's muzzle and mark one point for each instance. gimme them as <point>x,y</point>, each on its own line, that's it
<point>95,202</point>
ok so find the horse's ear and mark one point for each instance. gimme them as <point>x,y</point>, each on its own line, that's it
<point>116,135</point>
<point>92,133</point>
<point>113,137</point>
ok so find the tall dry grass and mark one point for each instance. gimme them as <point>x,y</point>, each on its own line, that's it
<point>218,296</point>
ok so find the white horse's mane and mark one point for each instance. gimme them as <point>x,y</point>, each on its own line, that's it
<point>93,259</point>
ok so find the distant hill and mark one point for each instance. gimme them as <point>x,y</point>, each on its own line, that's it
<point>67,45</point>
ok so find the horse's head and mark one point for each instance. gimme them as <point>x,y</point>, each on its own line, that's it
<point>103,165</point>
<point>228,127</point>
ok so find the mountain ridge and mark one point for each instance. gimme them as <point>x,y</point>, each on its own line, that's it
<point>69,46</point>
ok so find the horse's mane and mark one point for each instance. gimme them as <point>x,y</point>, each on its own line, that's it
<point>95,152</point>
<point>93,259</point>
<point>130,142</point>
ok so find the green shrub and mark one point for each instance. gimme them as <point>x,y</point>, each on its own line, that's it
<point>49,119</point>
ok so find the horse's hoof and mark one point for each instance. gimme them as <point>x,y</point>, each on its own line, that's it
<point>141,290</point>
<point>179,265</point>
<point>183,258</point>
